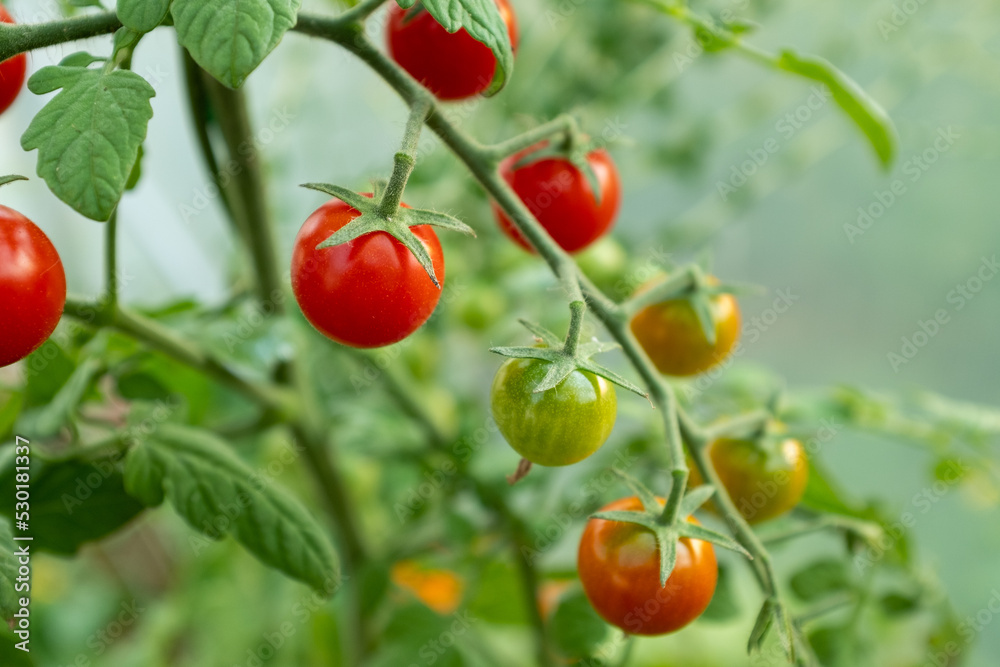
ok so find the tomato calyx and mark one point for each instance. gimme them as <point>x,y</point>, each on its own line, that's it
<point>565,357</point>
<point>396,225</point>
<point>575,148</point>
<point>668,530</point>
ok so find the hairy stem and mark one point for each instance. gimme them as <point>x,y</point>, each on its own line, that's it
<point>20,38</point>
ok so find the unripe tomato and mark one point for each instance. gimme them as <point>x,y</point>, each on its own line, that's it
<point>619,566</point>
<point>559,195</point>
<point>11,72</point>
<point>32,287</point>
<point>671,335</point>
<point>556,427</point>
<point>453,66</point>
<point>369,292</point>
<point>763,482</point>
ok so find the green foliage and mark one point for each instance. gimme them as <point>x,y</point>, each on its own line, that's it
<point>142,15</point>
<point>230,39</point>
<point>218,494</point>
<point>88,168</point>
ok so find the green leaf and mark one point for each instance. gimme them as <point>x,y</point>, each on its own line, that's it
<point>46,422</point>
<point>482,20</point>
<point>897,604</point>
<point>142,15</point>
<point>217,494</point>
<point>230,39</point>
<point>8,573</point>
<point>820,579</point>
<point>10,655</point>
<point>88,135</point>
<point>866,113</point>
<point>724,605</point>
<point>577,630</point>
<point>72,502</point>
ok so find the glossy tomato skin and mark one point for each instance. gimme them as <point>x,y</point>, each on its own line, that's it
<point>366,293</point>
<point>453,66</point>
<point>671,335</point>
<point>32,287</point>
<point>559,195</point>
<point>11,72</point>
<point>619,566</point>
<point>763,482</point>
<point>557,427</point>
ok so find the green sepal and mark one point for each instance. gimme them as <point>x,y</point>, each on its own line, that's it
<point>564,363</point>
<point>397,226</point>
<point>702,306</point>
<point>575,155</point>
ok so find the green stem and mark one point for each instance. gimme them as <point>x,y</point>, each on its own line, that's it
<point>564,124</point>
<point>247,194</point>
<point>672,287</point>
<point>111,260</point>
<point>404,160</point>
<point>577,310</point>
<point>21,38</point>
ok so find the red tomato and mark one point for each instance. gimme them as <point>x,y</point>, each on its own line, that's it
<point>453,66</point>
<point>32,287</point>
<point>619,566</point>
<point>369,292</point>
<point>560,197</point>
<point>11,72</point>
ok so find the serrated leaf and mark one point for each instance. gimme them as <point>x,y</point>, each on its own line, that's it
<point>230,39</point>
<point>8,573</point>
<point>88,135</point>
<point>215,492</point>
<point>72,502</point>
<point>866,113</point>
<point>482,20</point>
<point>142,15</point>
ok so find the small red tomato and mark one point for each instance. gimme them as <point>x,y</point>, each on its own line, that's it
<point>32,287</point>
<point>11,72</point>
<point>619,566</point>
<point>453,66</point>
<point>369,292</point>
<point>672,336</point>
<point>559,195</point>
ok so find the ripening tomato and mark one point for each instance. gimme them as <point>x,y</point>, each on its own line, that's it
<point>556,427</point>
<point>369,292</point>
<point>11,72</point>
<point>559,195</point>
<point>619,566</point>
<point>671,335</point>
<point>453,66</point>
<point>32,287</point>
<point>764,482</point>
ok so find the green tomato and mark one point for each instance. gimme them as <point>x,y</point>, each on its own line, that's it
<point>557,427</point>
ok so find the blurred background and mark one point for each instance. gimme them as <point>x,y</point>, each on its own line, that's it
<point>866,255</point>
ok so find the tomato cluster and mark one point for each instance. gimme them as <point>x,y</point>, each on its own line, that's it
<point>32,286</point>
<point>453,66</point>
<point>11,72</point>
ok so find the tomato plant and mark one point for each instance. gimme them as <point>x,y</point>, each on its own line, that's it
<point>619,566</point>
<point>764,479</point>
<point>367,293</point>
<point>32,286</point>
<point>453,66</point>
<point>558,426</point>
<point>11,71</point>
<point>560,196</point>
<point>672,335</point>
